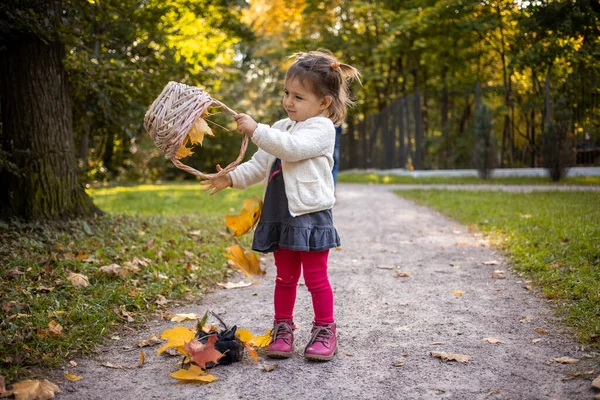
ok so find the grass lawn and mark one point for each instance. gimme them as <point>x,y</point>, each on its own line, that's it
<point>552,237</point>
<point>172,238</point>
<point>391,179</point>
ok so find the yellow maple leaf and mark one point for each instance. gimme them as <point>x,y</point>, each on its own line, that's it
<point>257,341</point>
<point>198,130</point>
<point>245,261</point>
<point>248,217</point>
<point>176,337</point>
<point>183,152</point>
<point>195,373</point>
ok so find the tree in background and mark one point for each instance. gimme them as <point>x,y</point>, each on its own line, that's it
<point>35,111</point>
<point>557,142</point>
<point>484,157</point>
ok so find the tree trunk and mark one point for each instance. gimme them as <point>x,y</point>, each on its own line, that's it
<point>37,132</point>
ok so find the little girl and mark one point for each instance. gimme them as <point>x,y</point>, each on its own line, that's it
<point>295,159</point>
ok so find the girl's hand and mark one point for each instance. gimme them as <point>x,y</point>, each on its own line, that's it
<point>245,124</point>
<point>217,184</point>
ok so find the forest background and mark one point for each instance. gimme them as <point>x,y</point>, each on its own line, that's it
<point>426,68</point>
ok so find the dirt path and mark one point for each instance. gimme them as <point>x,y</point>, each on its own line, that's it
<point>382,321</point>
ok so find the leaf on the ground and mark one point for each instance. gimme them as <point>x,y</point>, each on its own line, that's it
<point>54,329</point>
<point>176,338</point>
<point>498,274</point>
<point>184,317</point>
<point>457,293</point>
<point>245,261</point>
<point>534,341</point>
<point>436,343</point>
<point>398,364</point>
<point>257,341</point>
<point>115,366</point>
<point>195,373</point>
<point>72,377</point>
<point>153,340</point>
<point>596,382</point>
<point>14,273</point>
<point>253,353</point>
<point>566,360</point>
<point>113,270</point>
<point>387,267</point>
<point>443,356</point>
<point>240,224</point>
<point>526,318</point>
<point>492,340</point>
<point>161,300</point>
<point>232,285</point>
<point>203,353</point>
<point>78,280</point>
<point>142,358</point>
<point>402,274</point>
<point>269,367</point>
<point>541,331</point>
<point>492,262</point>
<point>31,389</point>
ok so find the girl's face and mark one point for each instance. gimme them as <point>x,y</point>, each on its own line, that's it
<point>301,103</point>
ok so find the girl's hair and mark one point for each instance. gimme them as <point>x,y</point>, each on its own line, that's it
<point>326,77</point>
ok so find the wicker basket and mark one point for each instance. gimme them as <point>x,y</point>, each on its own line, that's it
<point>172,115</point>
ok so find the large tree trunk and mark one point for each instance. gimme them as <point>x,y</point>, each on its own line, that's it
<point>37,132</point>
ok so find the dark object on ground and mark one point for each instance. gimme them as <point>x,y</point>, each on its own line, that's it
<point>231,347</point>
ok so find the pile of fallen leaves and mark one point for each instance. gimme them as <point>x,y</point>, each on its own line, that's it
<point>198,347</point>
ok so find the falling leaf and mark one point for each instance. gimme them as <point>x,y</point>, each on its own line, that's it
<point>203,353</point>
<point>402,274</point>
<point>176,338</point>
<point>72,378</point>
<point>184,317</point>
<point>114,270</point>
<point>566,360</point>
<point>257,341</point>
<point>457,293</point>
<point>153,340</point>
<point>245,261</point>
<point>541,331</point>
<point>240,224</point>
<point>269,367</point>
<point>195,373</point>
<point>78,280</point>
<point>231,285</point>
<point>492,340</point>
<point>451,357</point>
<point>34,390</point>
<point>198,130</point>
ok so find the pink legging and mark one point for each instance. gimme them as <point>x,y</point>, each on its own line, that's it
<point>290,264</point>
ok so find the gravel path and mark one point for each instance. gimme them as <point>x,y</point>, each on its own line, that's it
<point>388,325</point>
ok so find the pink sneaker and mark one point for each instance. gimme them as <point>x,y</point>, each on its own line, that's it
<point>282,339</point>
<point>323,342</point>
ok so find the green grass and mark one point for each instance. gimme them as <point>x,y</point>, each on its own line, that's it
<point>179,229</point>
<point>395,179</point>
<point>552,237</point>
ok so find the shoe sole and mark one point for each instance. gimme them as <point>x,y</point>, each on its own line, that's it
<point>315,357</point>
<point>278,354</point>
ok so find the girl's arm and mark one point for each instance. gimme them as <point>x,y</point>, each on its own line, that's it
<point>316,138</point>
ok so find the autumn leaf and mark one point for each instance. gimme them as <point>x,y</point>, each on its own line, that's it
<point>114,270</point>
<point>183,151</point>
<point>54,329</point>
<point>245,261</point>
<point>34,390</point>
<point>269,367</point>
<point>566,360</point>
<point>203,353</point>
<point>240,224</point>
<point>596,382</point>
<point>195,373</point>
<point>78,280</point>
<point>492,340</point>
<point>257,341</point>
<point>154,339</point>
<point>184,317</point>
<point>176,338</point>
<point>443,356</point>
<point>232,285</point>
<point>72,378</point>
<point>198,130</point>
<point>457,293</point>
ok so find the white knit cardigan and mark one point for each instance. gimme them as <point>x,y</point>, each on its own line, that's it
<point>306,152</point>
